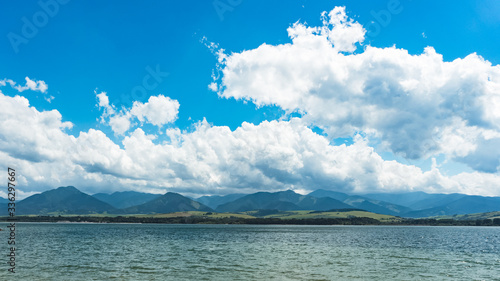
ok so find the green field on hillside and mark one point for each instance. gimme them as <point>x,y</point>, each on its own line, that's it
<point>194,213</point>
<point>317,215</point>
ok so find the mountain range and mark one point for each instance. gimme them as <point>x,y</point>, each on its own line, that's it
<point>69,200</point>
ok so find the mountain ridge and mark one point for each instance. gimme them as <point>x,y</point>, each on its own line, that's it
<point>213,201</point>
<point>288,200</point>
<point>168,203</point>
<point>125,199</point>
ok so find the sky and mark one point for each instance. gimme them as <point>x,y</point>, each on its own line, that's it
<point>235,96</point>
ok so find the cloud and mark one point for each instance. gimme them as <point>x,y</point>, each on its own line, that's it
<point>158,110</point>
<point>103,101</point>
<point>120,123</point>
<point>412,104</point>
<point>38,146</point>
<point>4,82</point>
<point>32,85</point>
<point>29,134</point>
<point>341,31</point>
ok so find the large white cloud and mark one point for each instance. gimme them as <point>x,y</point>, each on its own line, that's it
<point>29,134</point>
<point>413,104</point>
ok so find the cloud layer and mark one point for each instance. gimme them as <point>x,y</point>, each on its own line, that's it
<point>209,159</point>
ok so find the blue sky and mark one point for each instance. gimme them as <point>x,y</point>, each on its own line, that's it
<point>80,49</point>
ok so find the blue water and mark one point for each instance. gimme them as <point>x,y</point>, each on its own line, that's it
<point>250,252</point>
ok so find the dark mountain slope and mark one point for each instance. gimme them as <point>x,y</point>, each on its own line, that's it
<point>63,200</point>
<point>125,199</point>
<point>215,200</point>
<point>168,203</point>
<point>283,200</point>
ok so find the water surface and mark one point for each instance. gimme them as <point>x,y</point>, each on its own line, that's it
<point>70,251</point>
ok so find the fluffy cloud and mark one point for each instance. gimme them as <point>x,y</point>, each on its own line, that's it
<point>103,102</point>
<point>29,134</point>
<point>413,104</point>
<point>120,123</point>
<point>158,110</point>
<point>341,31</point>
<point>32,85</point>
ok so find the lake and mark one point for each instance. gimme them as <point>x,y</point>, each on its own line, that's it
<point>71,251</point>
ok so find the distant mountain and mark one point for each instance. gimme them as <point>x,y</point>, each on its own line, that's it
<point>328,193</point>
<point>417,204</point>
<point>434,200</point>
<point>283,200</point>
<point>404,199</point>
<point>125,199</point>
<point>215,200</point>
<point>360,202</point>
<point>3,200</point>
<point>63,200</point>
<point>467,204</point>
<point>167,203</point>
<point>417,200</point>
<point>376,206</point>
